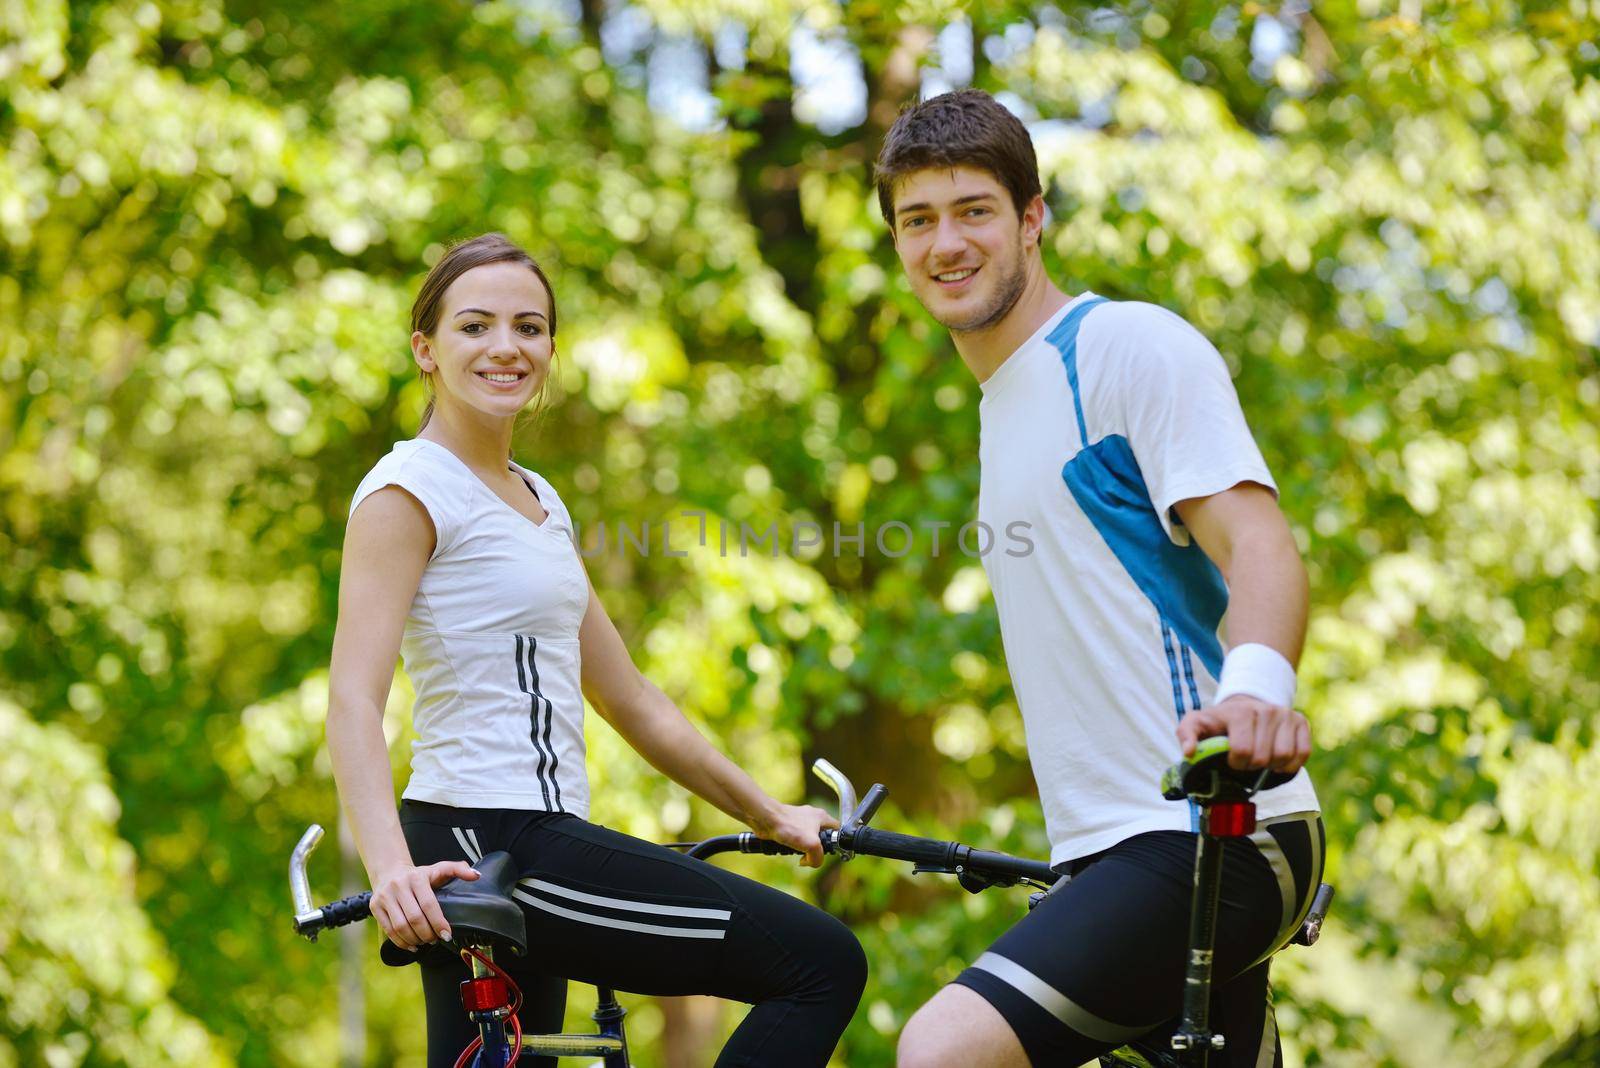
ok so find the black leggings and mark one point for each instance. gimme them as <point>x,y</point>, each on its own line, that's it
<point>1100,961</point>
<point>607,909</point>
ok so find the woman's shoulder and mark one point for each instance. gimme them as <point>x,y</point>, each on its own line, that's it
<point>425,470</point>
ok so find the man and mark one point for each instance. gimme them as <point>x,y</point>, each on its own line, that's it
<point>1114,431</point>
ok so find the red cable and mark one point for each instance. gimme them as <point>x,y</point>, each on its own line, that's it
<point>516,1004</point>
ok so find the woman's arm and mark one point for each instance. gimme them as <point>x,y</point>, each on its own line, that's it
<point>649,721</point>
<point>386,548</point>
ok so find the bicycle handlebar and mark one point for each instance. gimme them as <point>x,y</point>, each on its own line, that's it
<point>977,869</point>
<point>743,842</point>
<point>981,866</point>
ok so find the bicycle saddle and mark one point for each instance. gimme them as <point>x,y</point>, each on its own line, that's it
<point>480,912</point>
<point>1205,776</point>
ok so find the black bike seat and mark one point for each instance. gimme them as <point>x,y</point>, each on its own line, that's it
<point>480,912</point>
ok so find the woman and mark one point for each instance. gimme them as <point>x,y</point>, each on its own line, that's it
<point>466,563</point>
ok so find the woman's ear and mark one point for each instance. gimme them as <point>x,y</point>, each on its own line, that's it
<point>422,352</point>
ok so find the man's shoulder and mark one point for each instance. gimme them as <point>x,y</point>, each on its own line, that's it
<point>1129,322</point>
<point>1134,342</point>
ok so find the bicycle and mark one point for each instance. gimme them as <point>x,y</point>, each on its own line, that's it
<point>1223,796</point>
<point>484,917</point>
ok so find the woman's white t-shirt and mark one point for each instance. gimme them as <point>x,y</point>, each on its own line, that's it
<point>491,641</point>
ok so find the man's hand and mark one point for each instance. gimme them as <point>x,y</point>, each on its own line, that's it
<point>799,827</point>
<point>1259,734</point>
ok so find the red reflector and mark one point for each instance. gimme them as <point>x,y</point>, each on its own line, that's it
<point>1231,819</point>
<point>482,995</point>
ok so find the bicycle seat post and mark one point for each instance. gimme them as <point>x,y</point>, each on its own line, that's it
<point>1223,796</point>
<point>608,1015</point>
<point>1194,1035</point>
<point>488,1002</point>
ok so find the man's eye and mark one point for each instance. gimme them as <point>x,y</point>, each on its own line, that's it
<point>978,211</point>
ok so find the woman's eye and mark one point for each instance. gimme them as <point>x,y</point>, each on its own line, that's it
<point>472,328</point>
<point>530,329</point>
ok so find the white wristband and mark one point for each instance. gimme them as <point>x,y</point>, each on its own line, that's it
<point>1259,671</point>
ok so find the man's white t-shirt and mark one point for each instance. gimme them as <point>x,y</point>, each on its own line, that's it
<point>1091,431</point>
<point>491,641</point>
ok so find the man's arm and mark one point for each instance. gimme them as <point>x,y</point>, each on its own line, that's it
<point>1243,532</point>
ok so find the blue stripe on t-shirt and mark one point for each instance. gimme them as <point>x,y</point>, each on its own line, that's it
<point>1188,675</point>
<point>1172,666</point>
<point>1104,478</point>
<point>1065,339</point>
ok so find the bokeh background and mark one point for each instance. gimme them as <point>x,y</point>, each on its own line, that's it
<point>214,215</point>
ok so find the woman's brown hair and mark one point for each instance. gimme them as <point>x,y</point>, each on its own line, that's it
<point>457,261</point>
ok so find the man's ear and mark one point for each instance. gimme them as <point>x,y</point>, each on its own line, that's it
<point>1033,221</point>
<point>422,352</point>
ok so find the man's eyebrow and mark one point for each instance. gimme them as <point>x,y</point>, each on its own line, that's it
<point>490,315</point>
<point>922,205</point>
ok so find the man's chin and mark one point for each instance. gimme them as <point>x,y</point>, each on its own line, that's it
<point>967,320</point>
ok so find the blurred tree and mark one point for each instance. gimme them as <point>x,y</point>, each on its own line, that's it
<point>213,216</point>
<point>83,977</point>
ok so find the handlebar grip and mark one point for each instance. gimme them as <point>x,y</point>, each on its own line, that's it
<point>347,910</point>
<point>895,846</point>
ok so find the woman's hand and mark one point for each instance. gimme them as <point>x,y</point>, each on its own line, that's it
<point>798,827</point>
<point>404,905</point>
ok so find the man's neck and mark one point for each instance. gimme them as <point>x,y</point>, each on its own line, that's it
<point>984,351</point>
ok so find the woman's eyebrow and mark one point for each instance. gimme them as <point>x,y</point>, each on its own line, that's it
<point>490,315</point>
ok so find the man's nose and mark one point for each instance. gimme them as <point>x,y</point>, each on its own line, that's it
<point>947,240</point>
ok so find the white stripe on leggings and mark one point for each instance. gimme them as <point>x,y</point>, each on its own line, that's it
<point>621,925</point>
<point>469,848</point>
<point>1055,1002</point>
<point>622,903</point>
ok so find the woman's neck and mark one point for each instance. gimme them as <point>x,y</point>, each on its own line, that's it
<point>482,442</point>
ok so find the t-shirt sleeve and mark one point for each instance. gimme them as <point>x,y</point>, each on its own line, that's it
<point>418,478</point>
<point>1179,410</point>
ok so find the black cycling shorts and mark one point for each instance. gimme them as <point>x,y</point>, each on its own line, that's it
<point>1100,961</point>
<point>607,909</point>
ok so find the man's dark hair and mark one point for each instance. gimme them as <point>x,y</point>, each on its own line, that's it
<point>966,128</point>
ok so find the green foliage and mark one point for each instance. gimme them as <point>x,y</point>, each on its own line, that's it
<point>213,216</point>
<point>84,977</point>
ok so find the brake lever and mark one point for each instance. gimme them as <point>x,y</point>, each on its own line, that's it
<point>920,868</point>
<point>869,806</point>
